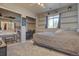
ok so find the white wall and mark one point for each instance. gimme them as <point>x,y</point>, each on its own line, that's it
<point>17,9</point>
<point>78,15</point>
<point>68,19</point>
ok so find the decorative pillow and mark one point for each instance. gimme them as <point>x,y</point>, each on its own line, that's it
<point>0,38</point>
<point>59,30</point>
<point>51,30</point>
<point>78,30</point>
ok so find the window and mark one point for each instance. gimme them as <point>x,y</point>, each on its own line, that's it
<point>53,21</point>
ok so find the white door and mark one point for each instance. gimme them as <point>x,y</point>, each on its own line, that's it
<point>23,33</point>
<point>23,30</point>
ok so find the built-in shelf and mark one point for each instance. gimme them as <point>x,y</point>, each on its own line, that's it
<point>70,16</point>
<point>31,22</point>
<point>68,11</point>
<point>5,18</point>
<point>68,22</point>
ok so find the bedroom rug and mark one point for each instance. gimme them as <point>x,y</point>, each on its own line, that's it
<point>28,49</point>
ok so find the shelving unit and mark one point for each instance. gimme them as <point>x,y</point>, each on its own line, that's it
<point>5,18</point>
<point>41,24</point>
<point>70,16</point>
<point>69,20</point>
<point>31,23</point>
<point>9,16</point>
<point>9,23</point>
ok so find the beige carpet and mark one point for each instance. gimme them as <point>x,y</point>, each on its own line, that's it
<point>28,49</point>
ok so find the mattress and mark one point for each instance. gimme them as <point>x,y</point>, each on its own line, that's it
<point>65,41</point>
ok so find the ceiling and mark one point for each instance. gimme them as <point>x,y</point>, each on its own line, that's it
<point>34,7</point>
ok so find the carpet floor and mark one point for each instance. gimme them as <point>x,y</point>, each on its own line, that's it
<point>28,49</point>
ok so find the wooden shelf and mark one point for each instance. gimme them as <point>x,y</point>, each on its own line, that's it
<point>31,22</point>
<point>5,18</point>
<point>70,16</point>
<point>68,22</point>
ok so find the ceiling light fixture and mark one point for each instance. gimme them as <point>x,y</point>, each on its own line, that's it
<point>41,4</point>
<point>69,8</point>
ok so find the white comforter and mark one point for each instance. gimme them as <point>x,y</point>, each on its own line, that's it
<point>65,41</point>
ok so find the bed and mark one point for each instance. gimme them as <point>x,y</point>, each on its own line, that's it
<point>64,41</point>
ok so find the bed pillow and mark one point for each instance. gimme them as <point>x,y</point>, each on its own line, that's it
<point>59,30</point>
<point>51,30</point>
<point>77,30</point>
